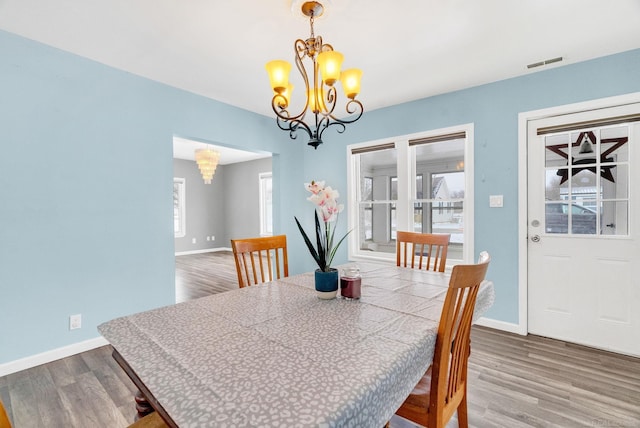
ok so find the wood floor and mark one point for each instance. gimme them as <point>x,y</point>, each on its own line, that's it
<point>514,381</point>
<point>200,275</point>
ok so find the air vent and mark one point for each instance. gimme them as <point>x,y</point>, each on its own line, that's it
<point>545,62</point>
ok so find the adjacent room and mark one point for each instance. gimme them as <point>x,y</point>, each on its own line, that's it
<point>320,213</point>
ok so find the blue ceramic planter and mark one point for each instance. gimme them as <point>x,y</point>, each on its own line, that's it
<point>326,283</point>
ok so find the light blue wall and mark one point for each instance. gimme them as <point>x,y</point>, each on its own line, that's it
<point>86,178</point>
<point>494,110</point>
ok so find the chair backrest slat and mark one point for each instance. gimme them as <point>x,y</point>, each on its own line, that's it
<point>435,244</point>
<point>252,254</point>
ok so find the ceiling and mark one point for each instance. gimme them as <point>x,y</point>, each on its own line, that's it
<point>185,149</point>
<point>408,50</point>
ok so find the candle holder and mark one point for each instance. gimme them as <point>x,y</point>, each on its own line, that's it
<point>351,283</point>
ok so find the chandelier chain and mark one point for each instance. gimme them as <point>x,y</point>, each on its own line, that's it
<point>313,35</point>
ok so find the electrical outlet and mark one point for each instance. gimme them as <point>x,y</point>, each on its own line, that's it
<point>75,321</point>
<point>193,241</point>
<point>213,238</point>
<point>208,238</point>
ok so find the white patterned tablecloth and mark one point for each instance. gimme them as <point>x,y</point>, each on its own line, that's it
<point>274,355</point>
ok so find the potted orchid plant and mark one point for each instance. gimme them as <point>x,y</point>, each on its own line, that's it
<point>326,216</point>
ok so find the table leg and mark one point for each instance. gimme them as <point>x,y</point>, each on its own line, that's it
<point>142,405</point>
<point>143,398</point>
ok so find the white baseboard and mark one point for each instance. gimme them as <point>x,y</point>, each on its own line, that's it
<point>502,325</point>
<point>49,356</point>
<point>206,250</point>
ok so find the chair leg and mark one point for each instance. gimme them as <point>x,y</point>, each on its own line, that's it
<point>463,420</point>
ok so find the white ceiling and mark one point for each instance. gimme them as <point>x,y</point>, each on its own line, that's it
<point>407,49</point>
<point>185,149</point>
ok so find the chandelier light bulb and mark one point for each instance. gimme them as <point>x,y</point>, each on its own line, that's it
<point>329,63</point>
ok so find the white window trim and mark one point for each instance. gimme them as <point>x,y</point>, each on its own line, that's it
<point>406,170</point>
<point>263,217</point>
<point>183,207</point>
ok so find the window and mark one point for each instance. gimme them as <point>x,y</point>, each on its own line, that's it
<point>418,183</point>
<point>373,205</point>
<point>179,216</point>
<point>266,203</point>
<point>587,181</point>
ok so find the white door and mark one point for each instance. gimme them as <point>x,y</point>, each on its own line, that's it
<point>584,228</point>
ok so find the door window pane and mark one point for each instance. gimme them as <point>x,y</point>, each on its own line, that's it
<point>615,218</point>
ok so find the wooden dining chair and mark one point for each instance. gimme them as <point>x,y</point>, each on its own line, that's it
<point>443,388</point>
<point>422,250</point>
<point>4,418</point>
<point>257,259</point>
<point>152,420</point>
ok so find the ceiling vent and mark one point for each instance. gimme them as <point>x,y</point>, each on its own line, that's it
<point>545,62</point>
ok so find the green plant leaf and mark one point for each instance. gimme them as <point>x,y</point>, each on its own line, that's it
<point>333,251</point>
<point>307,241</point>
<point>322,244</point>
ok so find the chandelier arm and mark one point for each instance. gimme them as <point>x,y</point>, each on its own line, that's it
<point>329,105</point>
<point>326,123</point>
<point>352,107</point>
<point>292,126</point>
<point>278,100</point>
<point>326,47</point>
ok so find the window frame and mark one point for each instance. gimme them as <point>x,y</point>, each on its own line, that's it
<point>406,173</point>
<point>266,229</point>
<point>181,183</point>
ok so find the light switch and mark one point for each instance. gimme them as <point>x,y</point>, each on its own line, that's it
<point>495,201</point>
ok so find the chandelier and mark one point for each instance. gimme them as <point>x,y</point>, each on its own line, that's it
<point>320,90</point>
<point>207,160</point>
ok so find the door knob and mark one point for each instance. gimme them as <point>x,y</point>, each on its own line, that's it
<point>535,238</point>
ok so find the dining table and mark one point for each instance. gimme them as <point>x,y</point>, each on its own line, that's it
<point>275,355</point>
